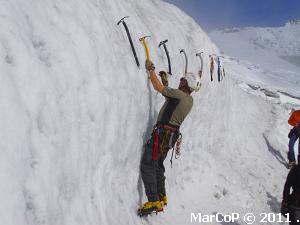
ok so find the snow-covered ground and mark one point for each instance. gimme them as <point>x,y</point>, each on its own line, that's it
<point>76,110</point>
<point>273,53</point>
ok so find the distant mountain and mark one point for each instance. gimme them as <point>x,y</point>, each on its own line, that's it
<point>293,22</point>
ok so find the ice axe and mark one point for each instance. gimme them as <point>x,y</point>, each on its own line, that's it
<point>122,20</point>
<point>201,66</point>
<point>186,61</point>
<point>144,42</point>
<point>167,53</point>
<point>129,38</point>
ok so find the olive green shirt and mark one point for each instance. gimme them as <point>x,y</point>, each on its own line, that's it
<point>176,107</point>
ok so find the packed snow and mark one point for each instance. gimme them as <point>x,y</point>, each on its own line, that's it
<point>272,52</point>
<point>76,111</point>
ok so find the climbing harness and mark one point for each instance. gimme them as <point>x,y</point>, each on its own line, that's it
<point>165,138</point>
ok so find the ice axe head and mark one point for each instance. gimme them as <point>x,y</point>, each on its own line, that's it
<point>121,20</point>
<point>199,54</point>
<point>162,43</point>
<point>143,38</point>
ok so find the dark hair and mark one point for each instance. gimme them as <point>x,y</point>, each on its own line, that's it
<point>185,88</point>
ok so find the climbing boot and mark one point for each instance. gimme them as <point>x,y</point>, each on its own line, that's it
<point>150,207</point>
<point>163,198</point>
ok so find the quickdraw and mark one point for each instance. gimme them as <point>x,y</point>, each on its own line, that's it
<point>177,147</point>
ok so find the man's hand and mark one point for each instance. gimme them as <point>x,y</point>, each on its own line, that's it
<point>149,65</point>
<point>164,78</point>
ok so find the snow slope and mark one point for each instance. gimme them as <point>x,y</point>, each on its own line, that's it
<point>274,52</point>
<point>75,112</point>
<point>282,41</point>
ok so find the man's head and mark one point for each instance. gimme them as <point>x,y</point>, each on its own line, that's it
<point>189,83</point>
<point>183,85</point>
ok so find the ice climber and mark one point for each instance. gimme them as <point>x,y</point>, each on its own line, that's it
<point>291,202</point>
<point>164,136</point>
<point>294,134</point>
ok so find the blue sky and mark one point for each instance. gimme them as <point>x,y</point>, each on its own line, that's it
<point>212,14</point>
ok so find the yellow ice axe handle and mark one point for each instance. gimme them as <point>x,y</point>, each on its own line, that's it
<point>143,40</point>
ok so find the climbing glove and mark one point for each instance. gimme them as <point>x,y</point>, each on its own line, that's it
<point>164,78</point>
